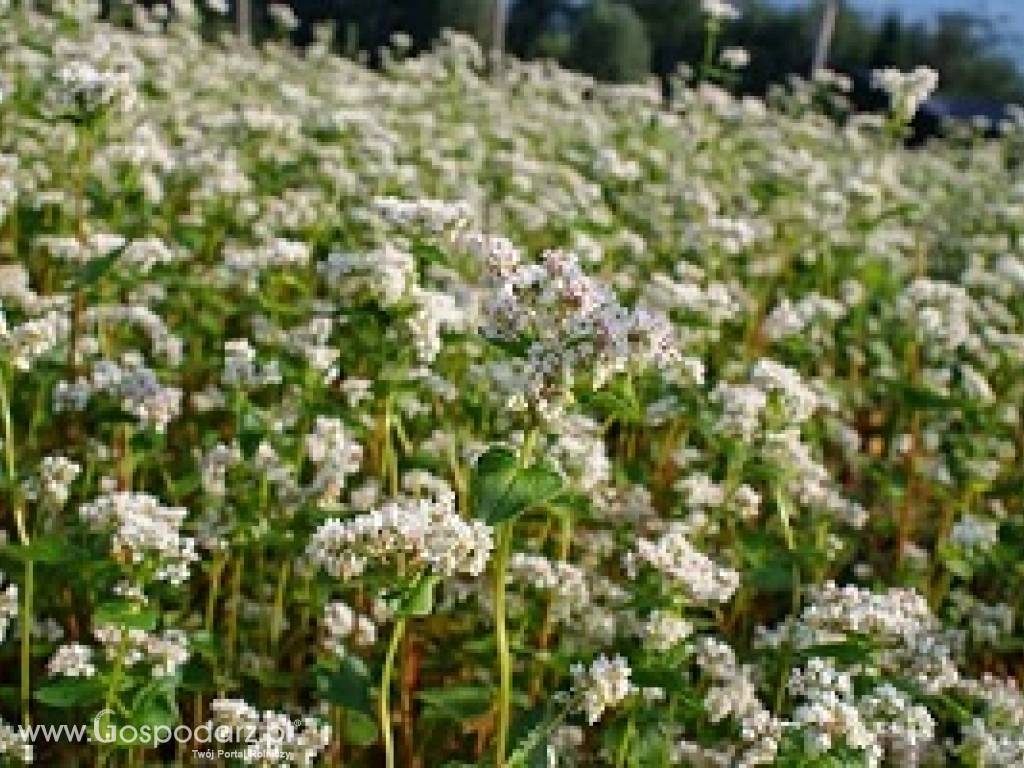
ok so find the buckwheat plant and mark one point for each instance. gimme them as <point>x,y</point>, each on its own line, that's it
<point>423,415</point>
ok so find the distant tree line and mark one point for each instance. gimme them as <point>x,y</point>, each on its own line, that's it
<point>626,40</point>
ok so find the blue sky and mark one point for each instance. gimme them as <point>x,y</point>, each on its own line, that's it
<point>1008,15</point>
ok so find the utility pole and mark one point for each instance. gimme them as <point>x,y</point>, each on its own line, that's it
<point>825,32</point>
<point>244,21</point>
<point>499,19</point>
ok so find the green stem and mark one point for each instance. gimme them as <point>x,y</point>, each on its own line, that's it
<point>278,618</point>
<point>26,644</point>
<point>112,689</point>
<point>501,558</point>
<point>710,39</point>
<point>620,758</point>
<point>23,538</point>
<point>385,692</point>
<point>236,604</point>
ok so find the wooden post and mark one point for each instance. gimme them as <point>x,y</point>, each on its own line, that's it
<point>245,21</point>
<point>825,32</point>
<point>499,19</point>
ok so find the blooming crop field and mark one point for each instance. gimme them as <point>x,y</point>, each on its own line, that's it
<point>427,416</point>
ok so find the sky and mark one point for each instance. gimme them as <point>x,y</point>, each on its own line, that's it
<point>1008,15</point>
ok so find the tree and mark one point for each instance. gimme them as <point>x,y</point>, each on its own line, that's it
<point>611,43</point>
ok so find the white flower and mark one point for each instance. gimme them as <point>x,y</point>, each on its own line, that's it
<point>664,630</point>
<point>270,738</point>
<point>336,455</point>
<point>719,10</point>
<point>14,743</point>
<point>72,660</point>
<point>736,58</point>
<point>684,567</point>
<point>907,90</point>
<point>604,684</point>
<point>974,533</point>
<point>142,528</point>
<point>425,531</point>
<point>8,608</point>
<point>284,16</point>
<point>25,343</point>
<point>167,652</point>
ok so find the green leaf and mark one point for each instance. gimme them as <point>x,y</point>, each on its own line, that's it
<point>456,702</point>
<point>41,550</point>
<point>154,706</point>
<point>349,686</point>
<point>360,730</point>
<point>503,489</point>
<point>71,692</point>
<point>97,268</point>
<point>420,599</point>
<point>126,615</point>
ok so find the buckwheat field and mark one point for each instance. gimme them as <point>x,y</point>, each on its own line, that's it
<point>434,414</point>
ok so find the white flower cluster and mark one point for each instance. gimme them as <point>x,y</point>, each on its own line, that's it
<point>387,274</point>
<point>214,465</point>
<point>828,717</point>
<point>566,582</point>
<point>939,314</point>
<point>52,486</point>
<point>664,630</point>
<point>605,683</point>
<point>901,728</point>
<point>719,10</point>
<point>986,624</point>
<point>14,743</point>
<point>164,652</point>
<point>906,90</point>
<point>997,736</point>
<point>245,263</point>
<point>146,253</point>
<point>579,452</point>
<point>431,215</point>
<point>71,660</point>
<point>26,342</point>
<point>8,607</point>
<point>775,398</point>
<point>343,624</point>
<point>685,567</point>
<point>336,455</point>
<point>732,694</point>
<point>835,612</point>
<point>270,738</point>
<point>735,57</point>
<point>797,401</point>
<point>80,250</point>
<point>974,534</point>
<point>81,88</point>
<point>883,721</point>
<point>807,315</point>
<point>241,368</point>
<point>436,311</point>
<point>715,304</point>
<point>16,291</point>
<point>911,640</point>
<point>309,339</point>
<point>163,342</point>
<point>564,746</point>
<point>429,532</point>
<point>143,528</point>
<point>570,322</point>
<point>132,384</point>
<point>283,16</point>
